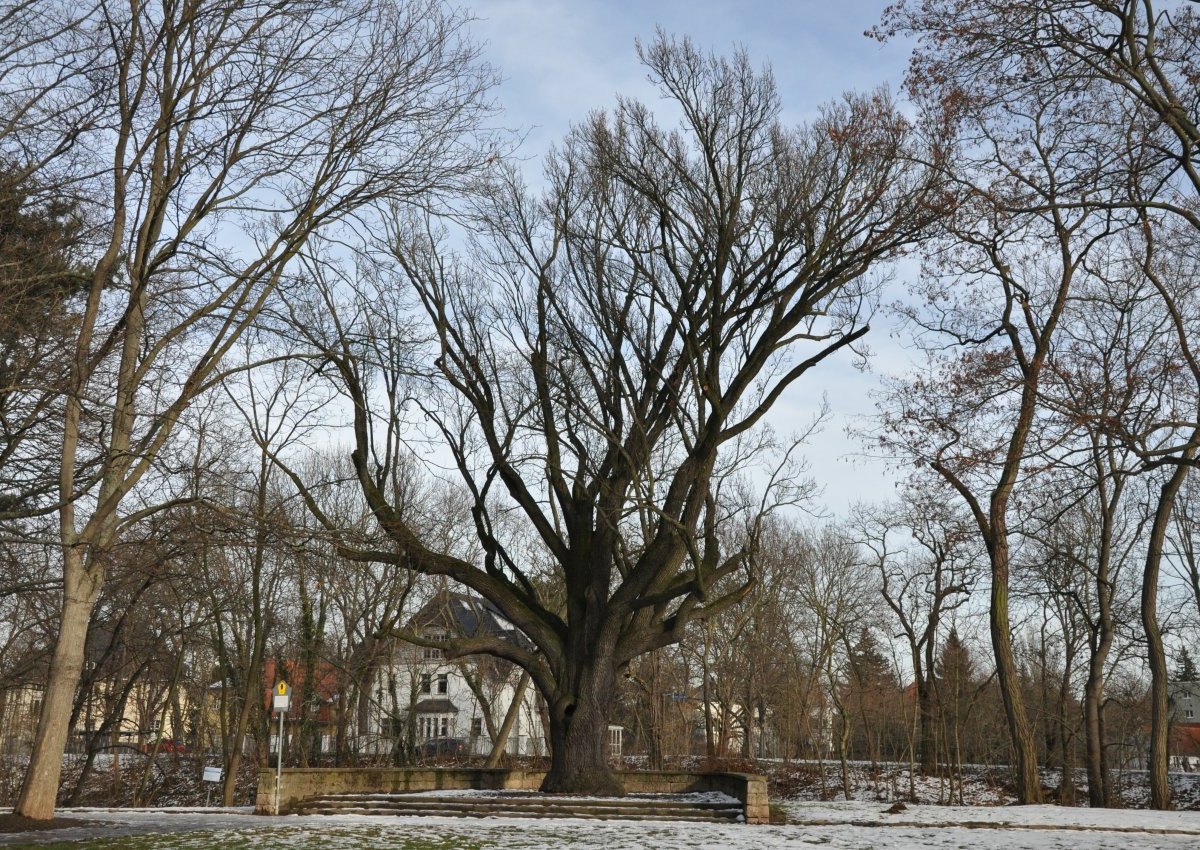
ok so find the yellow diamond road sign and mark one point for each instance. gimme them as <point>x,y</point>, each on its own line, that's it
<point>281,689</point>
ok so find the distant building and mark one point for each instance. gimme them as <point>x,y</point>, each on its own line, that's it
<point>1185,725</point>
<point>1185,702</point>
<point>420,698</point>
<point>314,709</point>
<point>134,695</point>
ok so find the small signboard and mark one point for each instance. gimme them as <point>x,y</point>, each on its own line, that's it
<point>212,774</point>
<point>283,698</point>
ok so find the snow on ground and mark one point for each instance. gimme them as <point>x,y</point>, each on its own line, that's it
<point>859,826</point>
<point>981,785</point>
<point>1029,817</point>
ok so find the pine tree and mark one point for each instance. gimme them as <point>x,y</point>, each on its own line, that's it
<point>871,694</point>
<point>955,683</point>
<point>1185,671</point>
<point>954,669</point>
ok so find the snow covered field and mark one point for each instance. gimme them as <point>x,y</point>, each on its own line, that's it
<point>838,826</point>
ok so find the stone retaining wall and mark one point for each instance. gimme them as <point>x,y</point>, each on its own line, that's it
<point>304,783</point>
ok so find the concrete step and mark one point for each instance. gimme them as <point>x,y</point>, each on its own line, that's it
<point>529,800</point>
<point>524,806</point>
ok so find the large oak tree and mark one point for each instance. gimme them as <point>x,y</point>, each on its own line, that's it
<point>605,352</point>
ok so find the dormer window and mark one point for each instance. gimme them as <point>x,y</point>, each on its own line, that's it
<point>434,653</point>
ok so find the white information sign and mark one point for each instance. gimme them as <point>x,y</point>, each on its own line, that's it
<point>212,774</point>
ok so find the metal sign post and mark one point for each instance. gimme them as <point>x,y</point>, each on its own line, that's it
<point>211,775</point>
<point>281,703</point>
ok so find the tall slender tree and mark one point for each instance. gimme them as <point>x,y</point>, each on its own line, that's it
<point>211,140</point>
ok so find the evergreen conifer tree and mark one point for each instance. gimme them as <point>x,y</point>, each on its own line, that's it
<point>1185,670</point>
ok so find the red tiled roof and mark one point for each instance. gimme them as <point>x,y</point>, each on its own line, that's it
<point>328,684</point>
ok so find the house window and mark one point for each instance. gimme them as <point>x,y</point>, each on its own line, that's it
<point>434,726</point>
<point>615,735</point>
<point>431,653</point>
<point>426,683</point>
<point>443,683</point>
<point>476,727</point>
<point>35,707</point>
<point>1189,714</point>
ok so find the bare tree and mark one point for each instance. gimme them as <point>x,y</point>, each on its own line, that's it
<point>219,138</point>
<point>608,349</point>
<point>921,581</point>
<point>1130,69</point>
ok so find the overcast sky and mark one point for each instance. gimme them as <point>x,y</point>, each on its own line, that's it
<point>561,59</point>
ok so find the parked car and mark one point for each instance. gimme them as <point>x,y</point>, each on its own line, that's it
<point>436,747</point>
<point>166,745</point>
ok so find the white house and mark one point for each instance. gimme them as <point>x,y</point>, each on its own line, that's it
<point>436,705</point>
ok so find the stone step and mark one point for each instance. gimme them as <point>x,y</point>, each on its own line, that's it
<point>682,811</point>
<point>696,817</point>
<point>531,806</point>
<point>528,801</point>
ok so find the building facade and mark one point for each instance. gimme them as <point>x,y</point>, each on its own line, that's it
<point>421,698</point>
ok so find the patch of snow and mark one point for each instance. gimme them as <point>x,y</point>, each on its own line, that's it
<point>1028,817</point>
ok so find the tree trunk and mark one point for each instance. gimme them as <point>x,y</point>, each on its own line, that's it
<point>251,697</point>
<point>506,726</point>
<point>928,727</point>
<point>842,745</point>
<point>1160,787</point>
<point>1066,786</point>
<point>710,749</point>
<point>1028,783</point>
<point>1100,643</point>
<point>1099,783</point>
<point>579,733</point>
<point>40,789</point>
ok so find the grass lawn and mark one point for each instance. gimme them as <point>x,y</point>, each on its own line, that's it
<point>836,826</point>
<point>286,838</point>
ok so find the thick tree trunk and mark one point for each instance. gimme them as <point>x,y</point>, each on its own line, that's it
<point>1028,783</point>
<point>579,734</point>
<point>40,789</point>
